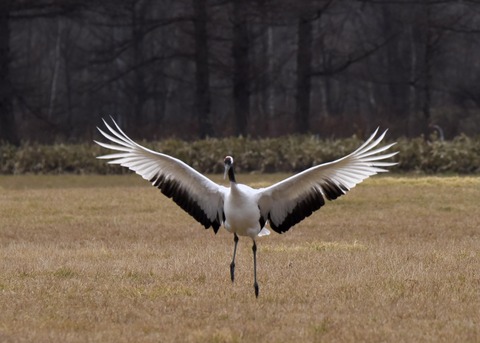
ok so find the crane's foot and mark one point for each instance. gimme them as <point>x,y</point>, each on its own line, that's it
<point>255,285</point>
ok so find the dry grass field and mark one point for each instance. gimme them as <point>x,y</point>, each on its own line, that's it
<point>110,259</point>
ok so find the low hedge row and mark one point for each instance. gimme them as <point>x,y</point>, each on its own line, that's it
<point>285,154</point>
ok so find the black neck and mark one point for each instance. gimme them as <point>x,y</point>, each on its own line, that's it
<point>231,174</point>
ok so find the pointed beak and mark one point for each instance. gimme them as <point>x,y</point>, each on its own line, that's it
<point>227,168</point>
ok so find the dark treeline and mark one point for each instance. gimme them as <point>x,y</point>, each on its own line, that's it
<point>201,68</point>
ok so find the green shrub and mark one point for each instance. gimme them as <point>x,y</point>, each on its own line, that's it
<point>460,155</point>
<point>285,154</point>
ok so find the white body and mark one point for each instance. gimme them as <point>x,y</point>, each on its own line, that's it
<point>241,211</point>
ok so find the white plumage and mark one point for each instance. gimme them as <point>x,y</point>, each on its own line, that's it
<point>243,210</point>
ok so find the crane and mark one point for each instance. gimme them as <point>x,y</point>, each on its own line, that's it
<point>243,210</point>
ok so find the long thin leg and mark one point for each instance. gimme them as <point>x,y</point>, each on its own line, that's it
<point>255,284</point>
<point>232,265</point>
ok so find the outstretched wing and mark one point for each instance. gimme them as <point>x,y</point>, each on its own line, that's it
<point>196,194</point>
<point>287,202</point>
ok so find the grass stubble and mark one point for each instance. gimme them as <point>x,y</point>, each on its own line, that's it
<point>110,259</point>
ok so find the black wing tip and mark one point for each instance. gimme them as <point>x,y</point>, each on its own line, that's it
<point>305,208</point>
<point>332,190</point>
<point>172,189</point>
<point>215,227</point>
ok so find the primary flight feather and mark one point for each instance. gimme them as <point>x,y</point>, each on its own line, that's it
<point>245,211</point>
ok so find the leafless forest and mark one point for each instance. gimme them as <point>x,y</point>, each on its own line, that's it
<point>198,68</point>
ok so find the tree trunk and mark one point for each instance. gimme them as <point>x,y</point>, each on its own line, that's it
<point>8,131</point>
<point>241,68</point>
<point>304,69</point>
<point>139,84</point>
<point>202,76</point>
<point>427,72</point>
<point>57,60</point>
<point>427,89</point>
<point>270,97</point>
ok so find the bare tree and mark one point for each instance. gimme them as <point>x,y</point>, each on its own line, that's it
<point>241,67</point>
<point>202,74</point>
<point>8,130</point>
<point>304,72</point>
<point>182,68</point>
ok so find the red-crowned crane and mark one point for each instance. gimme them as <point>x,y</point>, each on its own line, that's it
<point>244,211</point>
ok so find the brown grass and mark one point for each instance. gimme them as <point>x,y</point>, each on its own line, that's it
<point>109,259</point>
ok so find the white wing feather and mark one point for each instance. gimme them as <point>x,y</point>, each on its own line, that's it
<point>287,202</point>
<point>188,188</point>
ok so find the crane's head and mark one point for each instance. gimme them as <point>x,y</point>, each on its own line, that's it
<point>228,165</point>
